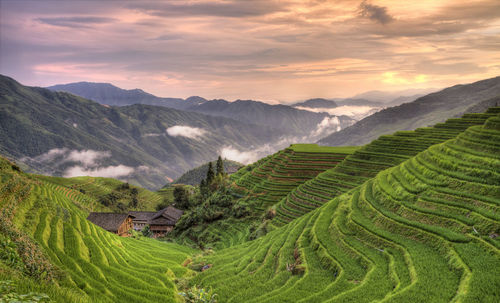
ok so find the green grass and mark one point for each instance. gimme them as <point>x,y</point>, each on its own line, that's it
<point>97,188</point>
<point>95,264</point>
<point>422,231</point>
<point>315,148</point>
<point>412,223</point>
<point>385,152</point>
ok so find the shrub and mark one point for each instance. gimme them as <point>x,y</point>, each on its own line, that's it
<point>8,294</point>
<point>199,295</point>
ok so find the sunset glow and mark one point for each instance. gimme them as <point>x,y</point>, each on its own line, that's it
<point>275,51</point>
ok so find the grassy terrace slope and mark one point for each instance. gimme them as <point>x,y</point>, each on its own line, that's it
<point>425,230</point>
<point>98,187</point>
<point>266,182</point>
<point>97,266</point>
<point>366,162</point>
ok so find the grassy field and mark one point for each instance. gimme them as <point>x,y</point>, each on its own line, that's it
<point>98,188</point>
<point>365,162</point>
<point>412,217</point>
<point>91,265</point>
<point>425,230</point>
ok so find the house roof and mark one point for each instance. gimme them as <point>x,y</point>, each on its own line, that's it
<point>108,221</point>
<point>142,215</point>
<point>169,212</point>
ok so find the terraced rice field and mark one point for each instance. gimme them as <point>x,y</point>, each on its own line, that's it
<point>275,176</point>
<point>98,187</point>
<point>366,162</point>
<point>98,265</point>
<point>425,230</point>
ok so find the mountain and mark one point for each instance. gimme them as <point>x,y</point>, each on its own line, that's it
<point>358,102</point>
<point>64,135</point>
<point>316,103</point>
<point>283,117</point>
<point>293,122</point>
<point>109,94</point>
<point>426,110</point>
<point>387,97</point>
<point>195,175</point>
<point>425,230</point>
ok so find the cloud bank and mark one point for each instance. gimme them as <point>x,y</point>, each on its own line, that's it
<point>185,131</point>
<point>245,157</point>
<point>83,163</point>
<point>355,112</point>
<point>326,127</point>
<point>106,172</point>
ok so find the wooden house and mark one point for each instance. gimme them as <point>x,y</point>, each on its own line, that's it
<point>141,218</point>
<point>116,223</point>
<point>160,222</point>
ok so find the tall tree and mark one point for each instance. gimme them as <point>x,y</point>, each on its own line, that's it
<point>220,167</point>
<point>210,173</point>
<point>181,197</point>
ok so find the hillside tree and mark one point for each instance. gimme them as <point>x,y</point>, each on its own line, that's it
<point>181,197</point>
<point>220,167</point>
<point>210,174</point>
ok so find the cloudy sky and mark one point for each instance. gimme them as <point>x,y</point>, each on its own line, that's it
<point>266,50</point>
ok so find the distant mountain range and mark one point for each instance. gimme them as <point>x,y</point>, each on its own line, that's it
<point>109,94</point>
<point>287,119</point>
<point>61,134</point>
<point>427,110</point>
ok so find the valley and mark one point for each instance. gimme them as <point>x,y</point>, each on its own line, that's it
<point>385,221</point>
<point>265,151</point>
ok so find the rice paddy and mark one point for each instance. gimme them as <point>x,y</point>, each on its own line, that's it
<point>412,217</point>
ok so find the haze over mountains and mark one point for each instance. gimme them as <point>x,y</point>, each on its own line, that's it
<point>296,123</point>
<point>427,110</point>
<point>62,134</point>
<point>149,140</point>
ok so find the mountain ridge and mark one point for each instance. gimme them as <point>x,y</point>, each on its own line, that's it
<point>427,110</point>
<point>51,132</point>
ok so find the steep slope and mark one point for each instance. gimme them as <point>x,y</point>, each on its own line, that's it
<point>195,175</point>
<point>424,111</point>
<point>423,231</point>
<point>269,180</point>
<point>109,94</point>
<point>90,264</point>
<point>49,131</point>
<point>113,194</point>
<point>257,187</point>
<point>366,162</point>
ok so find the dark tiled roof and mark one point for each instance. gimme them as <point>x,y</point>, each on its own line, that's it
<point>142,215</point>
<point>108,221</point>
<point>170,212</point>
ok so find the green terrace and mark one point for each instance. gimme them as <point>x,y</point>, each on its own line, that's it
<point>410,217</point>
<point>273,177</point>
<point>426,230</point>
<point>364,163</point>
<point>92,265</point>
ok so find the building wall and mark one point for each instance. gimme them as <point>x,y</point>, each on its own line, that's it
<point>160,230</point>
<point>125,227</point>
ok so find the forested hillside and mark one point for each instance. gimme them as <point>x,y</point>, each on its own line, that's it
<point>65,135</point>
<point>425,230</point>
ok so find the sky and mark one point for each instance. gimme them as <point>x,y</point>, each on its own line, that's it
<point>273,51</point>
